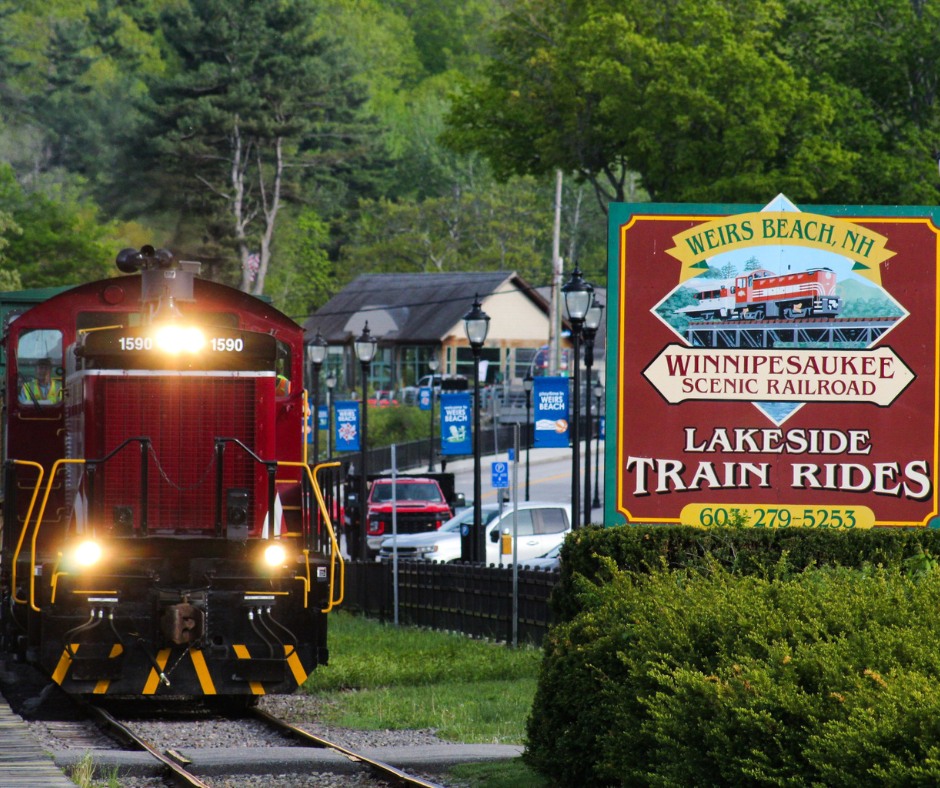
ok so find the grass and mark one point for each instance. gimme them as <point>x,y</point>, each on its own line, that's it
<point>386,677</point>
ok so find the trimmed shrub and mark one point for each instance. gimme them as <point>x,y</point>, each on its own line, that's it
<point>822,677</point>
<point>737,550</point>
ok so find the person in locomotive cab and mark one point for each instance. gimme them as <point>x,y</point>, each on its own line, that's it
<point>42,388</point>
<point>282,382</point>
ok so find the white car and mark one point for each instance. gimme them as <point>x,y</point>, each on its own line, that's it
<point>539,528</point>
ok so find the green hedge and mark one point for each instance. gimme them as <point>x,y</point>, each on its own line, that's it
<point>822,677</point>
<point>738,550</point>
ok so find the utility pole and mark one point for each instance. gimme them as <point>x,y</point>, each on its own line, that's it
<point>554,315</point>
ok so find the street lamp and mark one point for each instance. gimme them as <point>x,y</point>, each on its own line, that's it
<point>527,382</point>
<point>598,393</point>
<point>365,351</point>
<point>579,295</point>
<point>330,385</point>
<point>316,354</point>
<point>476,324</point>
<point>591,322</point>
<point>433,364</point>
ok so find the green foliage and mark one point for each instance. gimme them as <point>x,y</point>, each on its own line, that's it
<point>258,102</point>
<point>397,424</point>
<point>709,101</point>
<point>52,238</point>
<point>303,275</point>
<point>589,552</point>
<point>819,677</point>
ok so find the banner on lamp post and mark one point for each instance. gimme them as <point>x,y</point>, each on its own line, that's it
<point>424,398</point>
<point>456,431</point>
<point>550,401</point>
<point>347,426</point>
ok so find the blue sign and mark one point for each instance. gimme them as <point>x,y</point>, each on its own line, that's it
<point>424,398</point>
<point>323,417</point>
<point>500,475</point>
<point>347,426</point>
<point>550,403</point>
<point>456,435</point>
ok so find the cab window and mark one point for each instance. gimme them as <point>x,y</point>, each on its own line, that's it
<point>39,367</point>
<point>283,380</point>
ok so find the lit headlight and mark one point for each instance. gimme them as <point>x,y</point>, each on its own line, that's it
<point>87,553</point>
<point>177,339</point>
<point>275,555</point>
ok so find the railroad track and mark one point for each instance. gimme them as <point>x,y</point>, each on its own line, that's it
<point>176,767</point>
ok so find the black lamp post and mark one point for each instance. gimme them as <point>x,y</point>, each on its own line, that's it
<point>527,383</point>
<point>476,324</point>
<point>316,354</point>
<point>330,385</point>
<point>578,297</point>
<point>433,364</point>
<point>598,393</point>
<point>365,351</point>
<point>591,322</point>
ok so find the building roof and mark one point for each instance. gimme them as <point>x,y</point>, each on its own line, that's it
<point>411,308</point>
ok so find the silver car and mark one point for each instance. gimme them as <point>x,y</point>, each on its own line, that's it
<point>539,527</point>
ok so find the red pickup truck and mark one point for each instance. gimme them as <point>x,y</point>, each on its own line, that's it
<point>420,507</point>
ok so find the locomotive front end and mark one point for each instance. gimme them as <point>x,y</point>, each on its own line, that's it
<point>193,558</point>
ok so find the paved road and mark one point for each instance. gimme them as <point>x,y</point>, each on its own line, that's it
<point>549,477</point>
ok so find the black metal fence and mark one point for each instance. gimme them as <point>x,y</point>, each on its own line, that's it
<point>469,598</point>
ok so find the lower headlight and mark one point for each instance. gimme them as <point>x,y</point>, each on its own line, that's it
<point>87,553</point>
<point>275,555</point>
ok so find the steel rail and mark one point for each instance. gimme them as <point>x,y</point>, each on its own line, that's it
<point>381,768</point>
<point>177,771</point>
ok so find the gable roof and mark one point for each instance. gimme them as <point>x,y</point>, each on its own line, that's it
<point>411,308</point>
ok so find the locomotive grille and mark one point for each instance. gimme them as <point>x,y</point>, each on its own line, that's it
<point>181,416</point>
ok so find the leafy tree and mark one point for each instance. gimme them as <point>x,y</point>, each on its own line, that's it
<point>878,64</point>
<point>257,101</point>
<point>692,94</point>
<point>52,239</point>
<point>304,276</point>
<point>477,226</point>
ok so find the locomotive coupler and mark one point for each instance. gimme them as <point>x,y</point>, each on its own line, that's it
<point>183,623</point>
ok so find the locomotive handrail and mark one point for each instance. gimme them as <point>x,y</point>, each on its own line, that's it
<point>335,553</point>
<point>42,511</point>
<point>270,465</point>
<point>29,514</point>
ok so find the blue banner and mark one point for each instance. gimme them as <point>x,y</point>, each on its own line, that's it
<point>550,402</point>
<point>347,426</point>
<point>424,398</point>
<point>323,418</point>
<point>455,423</point>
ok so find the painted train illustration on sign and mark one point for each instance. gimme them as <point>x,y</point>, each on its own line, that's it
<point>761,293</point>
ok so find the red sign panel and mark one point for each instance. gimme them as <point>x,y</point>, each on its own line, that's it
<point>772,367</point>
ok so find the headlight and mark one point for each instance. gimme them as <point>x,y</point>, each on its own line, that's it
<point>176,339</point>
<point>87,553</point>
<point>429,549</point>
<point>275,555</point>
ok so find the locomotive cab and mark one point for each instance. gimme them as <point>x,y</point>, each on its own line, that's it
<point>166,539</point>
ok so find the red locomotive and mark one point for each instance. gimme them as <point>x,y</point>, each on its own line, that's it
<point>163,535</point>
<point>760,294</point>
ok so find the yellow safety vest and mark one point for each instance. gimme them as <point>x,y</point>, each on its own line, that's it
<point>32,391</point>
